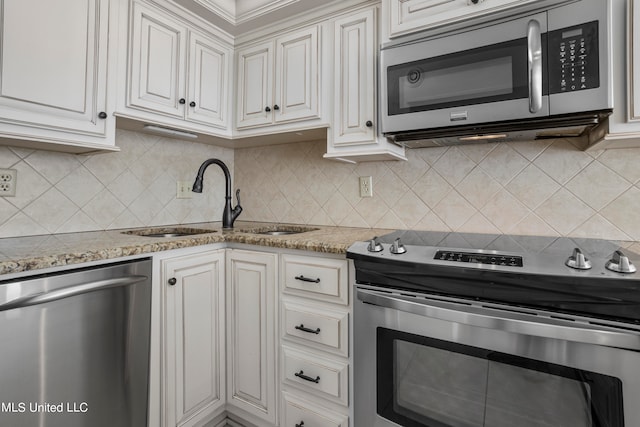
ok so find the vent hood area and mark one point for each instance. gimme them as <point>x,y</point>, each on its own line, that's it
<point>578,126</point>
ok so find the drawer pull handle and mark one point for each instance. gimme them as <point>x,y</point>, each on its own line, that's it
<point>301,424</point>
<point>306,378</point>
<point>306,279</point>
<point>311,331</point>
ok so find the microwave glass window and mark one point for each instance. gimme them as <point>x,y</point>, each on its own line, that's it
<point>433,383</point>
<point>487,74</point>
<point>454,84</point>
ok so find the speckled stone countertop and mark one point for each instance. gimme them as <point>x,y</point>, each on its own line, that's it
<point>18,254</point>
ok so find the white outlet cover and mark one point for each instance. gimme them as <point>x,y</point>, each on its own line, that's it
<point>8,182</point>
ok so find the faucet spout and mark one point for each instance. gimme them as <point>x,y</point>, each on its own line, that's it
<point>229,215</point>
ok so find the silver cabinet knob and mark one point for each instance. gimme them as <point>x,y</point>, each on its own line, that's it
<point>397,247</point>
<point>620,263</point>
<point>578,261</point>
<point>374,245</point>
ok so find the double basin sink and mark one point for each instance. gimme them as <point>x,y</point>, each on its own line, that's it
<point>165,232</point>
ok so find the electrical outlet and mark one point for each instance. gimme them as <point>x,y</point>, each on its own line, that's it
<point>366,186</point>
<point>8,178</point>
<point>183,190</point>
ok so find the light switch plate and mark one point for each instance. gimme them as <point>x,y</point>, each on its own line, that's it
<point>183,190</point>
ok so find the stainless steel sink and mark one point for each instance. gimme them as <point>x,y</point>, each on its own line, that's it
<point>168,232</point>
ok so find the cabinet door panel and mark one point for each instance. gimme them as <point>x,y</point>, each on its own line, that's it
<point>297,76</point>
<point>255,86</point>
<point>195,321</point>
<point>157,63</point>
<point>208,80</point>
<point>355,45</point>
<point>53,63</point>
<point>634,60</point>
<point>407,16</point>
<point>251,338</point>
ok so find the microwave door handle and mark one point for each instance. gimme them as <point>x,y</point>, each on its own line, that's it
<point>518,323</point>
<point>534,61</point>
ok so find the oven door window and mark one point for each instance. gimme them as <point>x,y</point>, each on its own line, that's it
<point>432,383</point>
<point>488,74</point>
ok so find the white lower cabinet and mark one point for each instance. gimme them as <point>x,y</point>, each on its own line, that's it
<point>193,363</point>
<point>314,351</point>
<point>301,413</point>
<point>223,351</point>
<point>251,335</point>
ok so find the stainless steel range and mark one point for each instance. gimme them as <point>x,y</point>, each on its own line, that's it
<point>466,330</point>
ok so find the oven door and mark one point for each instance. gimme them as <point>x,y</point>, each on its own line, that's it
<point>441,362</point>
<point>452,80</point>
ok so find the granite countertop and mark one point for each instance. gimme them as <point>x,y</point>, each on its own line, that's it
<point>19,254</point>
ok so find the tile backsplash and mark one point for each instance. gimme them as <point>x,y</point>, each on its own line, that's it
<point>535,188</point>
<point>58,193</point>
<point>542,188</point>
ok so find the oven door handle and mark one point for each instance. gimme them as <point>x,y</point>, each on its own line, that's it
<point>518,323</point>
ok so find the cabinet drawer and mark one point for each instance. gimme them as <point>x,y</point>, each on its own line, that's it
<point>324,377</point>
<point>306,414</point>
<point>317,326</point>
<point>318,278</point>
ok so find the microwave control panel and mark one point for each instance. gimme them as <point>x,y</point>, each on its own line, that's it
<point>573,58</point>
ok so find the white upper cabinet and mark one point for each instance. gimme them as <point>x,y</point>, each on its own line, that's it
<point>353,135</point>
<point>634,61</point>
<point>53,74</point>
<point>622,129</point>
<point>408,16</point>
<point>157,62</point>
<point>255,85</point>
<point>178,76</point>
<point>278,80</point>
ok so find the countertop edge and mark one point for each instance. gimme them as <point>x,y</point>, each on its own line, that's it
<point>32,253</point>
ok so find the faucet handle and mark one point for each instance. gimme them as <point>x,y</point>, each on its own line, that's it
<point>238,196</point>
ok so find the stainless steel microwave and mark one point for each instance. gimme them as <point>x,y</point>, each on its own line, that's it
<point>539,74</point>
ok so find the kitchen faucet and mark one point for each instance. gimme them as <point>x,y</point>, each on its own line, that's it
<point>229,215</point>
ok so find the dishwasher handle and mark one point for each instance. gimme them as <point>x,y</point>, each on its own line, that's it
<point>519,323</point>
<point>69,291</point>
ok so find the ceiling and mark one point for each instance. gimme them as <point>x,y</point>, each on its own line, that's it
<point>240,16</point>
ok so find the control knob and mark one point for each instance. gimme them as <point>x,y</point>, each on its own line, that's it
<point>578,261</point>
<point>397,247</point>
<point>374,245</point>
<point>620,263</point>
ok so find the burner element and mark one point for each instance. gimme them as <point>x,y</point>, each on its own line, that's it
<point>578,260</point>
<point>620,263</point>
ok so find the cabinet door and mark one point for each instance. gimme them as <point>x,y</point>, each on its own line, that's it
<point>634,60</point>
<point>157,63</point>
<point>251,345</point>
<point>355,86</point>
<point>208,81</point>
<point>194,331</point>
<point>255,81</point>
<point>53,64</point>
<point>297,76</point>
<point>407,16</point>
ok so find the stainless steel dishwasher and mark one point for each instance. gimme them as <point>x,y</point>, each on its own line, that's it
<point>74,347</point>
